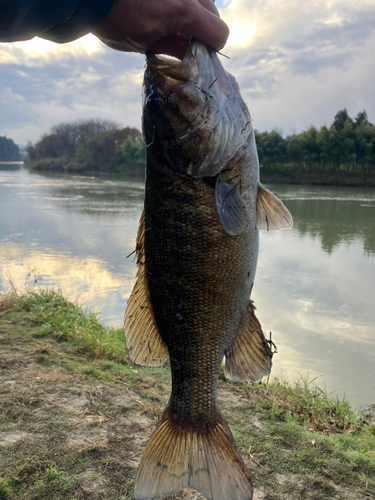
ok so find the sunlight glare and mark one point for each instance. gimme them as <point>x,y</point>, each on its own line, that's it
<point>241,32</point>
<point>40,47</point>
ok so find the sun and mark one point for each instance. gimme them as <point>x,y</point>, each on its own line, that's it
<point>243,24</point>
<point>241,32</point>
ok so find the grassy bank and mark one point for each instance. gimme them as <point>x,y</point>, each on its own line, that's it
<point>61,165</point>
<point>275,173</point>
<point>76,415</point>
<point>342,175</point>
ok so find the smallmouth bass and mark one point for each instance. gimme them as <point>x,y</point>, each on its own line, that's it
<point>197,250</point>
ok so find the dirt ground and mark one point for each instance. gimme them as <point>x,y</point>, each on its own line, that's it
<point>74,428</point>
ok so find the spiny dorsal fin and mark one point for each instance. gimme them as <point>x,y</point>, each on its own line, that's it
<point>179,455</point>
<point>250,357</point>
<point>230,207</point>
<point>143,340</point>
<point>271,212</point>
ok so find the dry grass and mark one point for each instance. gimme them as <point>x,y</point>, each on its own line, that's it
<point>74,427</point>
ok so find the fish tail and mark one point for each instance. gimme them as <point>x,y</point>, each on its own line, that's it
<point>180,455</point>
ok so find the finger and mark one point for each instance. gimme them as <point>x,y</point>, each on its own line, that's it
<point>210,5</point>
<point>175,46</point>
<point>207,28</point>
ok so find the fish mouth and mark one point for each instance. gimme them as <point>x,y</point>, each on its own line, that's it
<point>175,72</point>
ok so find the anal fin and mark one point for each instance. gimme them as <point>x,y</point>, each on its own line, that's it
<point>143,340</point>
<point>250,357</point>
<point>179,455</point>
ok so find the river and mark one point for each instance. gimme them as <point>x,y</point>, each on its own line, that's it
<point>315,284</point>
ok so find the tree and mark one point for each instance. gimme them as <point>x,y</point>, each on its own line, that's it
<point>85,134</point>
<point>9,151</point>
<point>361,118</point>
<point>104,151</point>
<point>271,147</point>
<point>31,151</point>
<point>364,138</point>
<point>132,151</point>
<point>99,126</point>
<point>340,119</point>
<point>70,134</point>
<point>304,147</point>
<point>50,146</point>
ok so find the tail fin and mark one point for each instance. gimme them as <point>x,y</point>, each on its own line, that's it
<point>179,456</point>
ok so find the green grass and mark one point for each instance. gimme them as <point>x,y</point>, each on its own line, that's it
<point>314,408</point>
<point>69,322</point>
<point>65,321</point>
<point>297,440</point>
<point>301,456</point>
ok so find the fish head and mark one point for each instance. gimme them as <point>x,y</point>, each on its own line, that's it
<point>193,113</point>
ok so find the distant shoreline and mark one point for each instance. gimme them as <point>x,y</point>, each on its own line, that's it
<point>58,165</point>
<point>317,177</point>
<point>277,174</point>
<point>20,162</point>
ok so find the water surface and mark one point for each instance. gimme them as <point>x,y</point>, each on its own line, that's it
<point>314,287</point>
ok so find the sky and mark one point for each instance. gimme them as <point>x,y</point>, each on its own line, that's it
<point>297,63</point>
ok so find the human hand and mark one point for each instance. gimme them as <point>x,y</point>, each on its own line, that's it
<point>162,26</point>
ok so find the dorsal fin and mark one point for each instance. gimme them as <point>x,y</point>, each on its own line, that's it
<point>250,357</point>
<point>143,340</point>
<point>271,212</point>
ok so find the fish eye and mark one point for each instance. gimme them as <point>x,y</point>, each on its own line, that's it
<point>155,102</point>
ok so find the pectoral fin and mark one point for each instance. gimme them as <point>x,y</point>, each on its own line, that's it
<point>250,356</point>
<point>230,207</point>
<point>271,212</point>
<point>143,340</point>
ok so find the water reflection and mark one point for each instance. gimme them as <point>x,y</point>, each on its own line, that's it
<point>319,304</point>
<point>334,215</point>
<point>72,232</point>
<point>10,166</point>
<point>314,285</point>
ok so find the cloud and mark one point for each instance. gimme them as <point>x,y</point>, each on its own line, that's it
<point>303,62</point>
<point>297,64</point>
<point>86,280</point>
<point>63,83</point>
<point>38,51</point>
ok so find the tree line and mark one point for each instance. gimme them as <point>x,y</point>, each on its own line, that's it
<point>89,145</point>
<point>8,150</point>
<point>348,144</point>
<point>343,150</point>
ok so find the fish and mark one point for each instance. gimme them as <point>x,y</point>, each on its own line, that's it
<point>197,249</point>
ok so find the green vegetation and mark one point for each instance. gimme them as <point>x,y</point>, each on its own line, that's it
<point>312,407</point>
<point>69,322</point>
<point>75,416</point>
<point>344,153</point>
<point>92,145</point>
<point>8,150</point>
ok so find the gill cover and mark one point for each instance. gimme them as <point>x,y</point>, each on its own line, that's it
<point>204,120</point>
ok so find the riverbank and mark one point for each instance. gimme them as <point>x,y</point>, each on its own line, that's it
<point>61,165</point>
<point>76,415</point>
<point>280,174</point>
<point>298,174</point>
